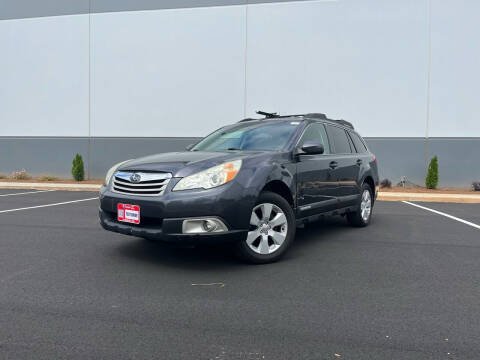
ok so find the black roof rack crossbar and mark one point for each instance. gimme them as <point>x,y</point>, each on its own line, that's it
<point>267,114</point>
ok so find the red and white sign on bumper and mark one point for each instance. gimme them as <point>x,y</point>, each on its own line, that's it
<point>128,213</point>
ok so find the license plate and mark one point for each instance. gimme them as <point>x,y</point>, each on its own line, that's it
<point>128,213</point>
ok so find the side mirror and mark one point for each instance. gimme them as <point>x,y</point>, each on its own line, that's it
<point>313,148</point>
<point>189,147</point>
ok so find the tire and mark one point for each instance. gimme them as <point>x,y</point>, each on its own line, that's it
<point>272,230</point>
<point>362,216</point>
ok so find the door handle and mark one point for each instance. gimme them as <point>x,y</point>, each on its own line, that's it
<point>333,164</point>
<point>359,162</point>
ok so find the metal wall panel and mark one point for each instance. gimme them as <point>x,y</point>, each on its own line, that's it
<point>364,61</point>
<point>455,75</point>
<point>167,72</point>
<point>44,76</point>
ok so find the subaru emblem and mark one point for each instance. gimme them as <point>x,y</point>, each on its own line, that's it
<point>135,178</point>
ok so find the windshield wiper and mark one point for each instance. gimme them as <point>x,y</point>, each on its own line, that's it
<point>233,149</point>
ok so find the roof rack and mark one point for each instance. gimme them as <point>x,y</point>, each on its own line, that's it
<point>316,116</point>
<point>269,115</point>
<point>345,123</point>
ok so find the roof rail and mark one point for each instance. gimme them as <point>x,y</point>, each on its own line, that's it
<point>316,116</point>
<point>345,123</point>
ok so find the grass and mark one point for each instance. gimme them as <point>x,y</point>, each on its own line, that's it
<point>48,178</point>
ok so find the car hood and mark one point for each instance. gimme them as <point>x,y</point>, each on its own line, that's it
<point>184,163</point>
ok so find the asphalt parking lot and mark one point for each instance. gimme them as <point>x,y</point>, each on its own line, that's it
<point>406,287</point>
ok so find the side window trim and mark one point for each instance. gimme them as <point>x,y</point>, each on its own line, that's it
<point>364,143</point>
<point>352,143</point>
<point>353,136</point>
<point>331,145</point>
<point>329,150</point>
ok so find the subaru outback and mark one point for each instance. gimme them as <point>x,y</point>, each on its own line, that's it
<point>251,183</point>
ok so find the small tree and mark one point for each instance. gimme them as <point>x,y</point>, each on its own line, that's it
<point>78,172</point>
<point>431,181</point>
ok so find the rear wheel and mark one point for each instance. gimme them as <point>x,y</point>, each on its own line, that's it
<point>272,229</point>
<point>362,216</point>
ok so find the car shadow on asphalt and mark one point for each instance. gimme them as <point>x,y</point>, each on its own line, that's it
<point>218,256</point>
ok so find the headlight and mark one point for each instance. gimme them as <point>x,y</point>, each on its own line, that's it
<point>210,178</point>
<point>112,171</point>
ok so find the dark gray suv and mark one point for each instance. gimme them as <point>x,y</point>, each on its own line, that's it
<point>250,183</point>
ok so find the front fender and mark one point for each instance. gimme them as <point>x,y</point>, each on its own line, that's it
<point>256,178</point>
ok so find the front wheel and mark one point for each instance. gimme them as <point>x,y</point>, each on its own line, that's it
<point>363,214</point>
<point>272,229</point>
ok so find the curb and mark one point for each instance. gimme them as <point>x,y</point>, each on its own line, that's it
<point>383,196</point>
<point>428,197</point>
<point>50,186</point>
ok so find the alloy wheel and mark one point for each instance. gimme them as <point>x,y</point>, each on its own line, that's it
<point>268,229</point>
<point>366,205</point>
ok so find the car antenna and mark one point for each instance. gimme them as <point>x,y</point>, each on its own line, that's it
<point>267,114</point>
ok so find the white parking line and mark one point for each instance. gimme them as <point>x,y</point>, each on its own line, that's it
<point>29,192</point>
<point>47,205</point>
<point>444,214</point>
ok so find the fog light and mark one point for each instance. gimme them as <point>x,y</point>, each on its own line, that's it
<point>209,225</point>
<point>203,225</point>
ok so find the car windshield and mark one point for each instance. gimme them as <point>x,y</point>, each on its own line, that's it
<point>257,136</point>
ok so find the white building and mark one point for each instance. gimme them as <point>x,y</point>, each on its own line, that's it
<point>115,79</point>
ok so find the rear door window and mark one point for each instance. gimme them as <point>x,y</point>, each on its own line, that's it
<point>359,145</point>
<point>338,136</point>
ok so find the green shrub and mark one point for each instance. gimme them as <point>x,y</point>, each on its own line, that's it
<point>20,175</point>
<point>3,176</point>
<point>385,184</point>
<point>431,181</point>
<point>48,178</point>
<point>78,172</point>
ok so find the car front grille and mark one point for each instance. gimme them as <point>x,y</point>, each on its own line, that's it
<point>140,183</point>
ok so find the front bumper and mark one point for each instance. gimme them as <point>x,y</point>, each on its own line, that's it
<point>161,217</point>
<point>167,231</point>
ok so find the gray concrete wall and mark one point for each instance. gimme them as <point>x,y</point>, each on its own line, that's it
<point>458,157</point>
<point>109,151</point>
<point>459,161</point>
<point>54,155</point>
